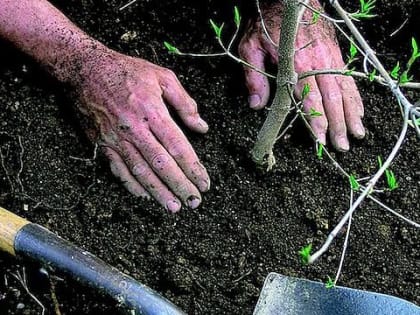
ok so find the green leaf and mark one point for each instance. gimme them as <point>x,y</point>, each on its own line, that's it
<point>237,16</point>
<point>305,91</point>
<point>404,78</point>
<point>415,47</point>
<point>395,71</point>
<point>314,113</point>
<point>172,49</point>
<point>391,180</point>
<point>348,72</point>
<point>217,29</point>
<point>330,283</point>
<point>353,183</point>
<point>380,161</point>
<point>372,75</point>
<point>353,51</point>
<point>320,150</point>
<point>365,10</point>
<point>315,17</point>
<point>305,253</point>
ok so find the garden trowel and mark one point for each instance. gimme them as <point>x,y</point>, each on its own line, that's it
<point>21,238</point>
<point>282,295</point>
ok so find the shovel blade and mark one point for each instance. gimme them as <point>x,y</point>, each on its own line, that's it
<point>282,295</point>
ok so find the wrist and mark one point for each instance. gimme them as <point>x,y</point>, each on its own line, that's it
<point>73,60</point>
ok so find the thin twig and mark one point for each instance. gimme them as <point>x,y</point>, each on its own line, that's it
<point>399,28</point>
<point>21,154</point>
<point>243,276</point>
<point>266,33</point>
<point>364,193</point>
<point>54,297</point>
<point>127,5</point>
<point>357,74</point>
<point>6,171</point>
<point>24,283</point>
<point>345,244</point>
<point>93,158</point>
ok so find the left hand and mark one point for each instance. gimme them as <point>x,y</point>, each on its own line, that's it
<point>336,97</point>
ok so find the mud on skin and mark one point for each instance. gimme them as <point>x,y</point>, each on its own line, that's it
<point>249,224</point>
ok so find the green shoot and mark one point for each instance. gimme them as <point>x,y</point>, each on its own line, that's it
<point>217,29</point>
<point>353,53</point>
<point>171,49</point>
<point>395,73</point>
<point>320,150</point>
<point>372,75</point>
<point>348,72</point>
<point>365,11</point>
<point>305,253</point>
<point>353,183</point>
<point>315,17</point>
<point>404,78</point>
<point>305,91</point>
<point>237,16</point>
<point>415,54</point>
<point>314,113</point>
<point>415,122</point>
<point>380,161</point>
<point>391,180</point>
<point>330,283</point>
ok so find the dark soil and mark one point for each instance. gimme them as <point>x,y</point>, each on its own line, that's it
<point>212,260</point>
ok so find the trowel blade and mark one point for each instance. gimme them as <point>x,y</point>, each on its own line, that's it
<point>282,295</point>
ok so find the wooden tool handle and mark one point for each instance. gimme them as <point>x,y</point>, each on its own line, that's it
<point>10,225</point>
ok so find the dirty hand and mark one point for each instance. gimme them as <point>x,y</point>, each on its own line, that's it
<point>336,97</point>
<point>126,97</point>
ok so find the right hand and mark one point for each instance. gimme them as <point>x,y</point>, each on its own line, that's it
<point>126,98</point>
<point>335,97</point>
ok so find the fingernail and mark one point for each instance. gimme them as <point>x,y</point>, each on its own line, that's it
<point>359,131</point>
<point>342,143</point>
<point>193,202</point>
<point>322,138</point>
<point>254,100</point>
<point>204,185</point>
<point>173,206</point>
<point>203,125</point>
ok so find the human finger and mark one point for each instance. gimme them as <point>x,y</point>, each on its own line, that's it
<point>174,141</point>
<point>352,101</point>
<point>313,100</point>
<point>144,174</point>
<point>333,106</point>
<point>353,106</point>
<point>250,51</point>
<point>163,164</point>
<point>178,98</point>
<point>120,170</point>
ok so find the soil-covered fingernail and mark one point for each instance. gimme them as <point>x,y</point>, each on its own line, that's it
<point>359,131</point>
<point>193,202</point>
<point>203,125</point>
<point>204,185</point>
<point>254,100</point>
<point>342,143</point>
<point>173,206</point>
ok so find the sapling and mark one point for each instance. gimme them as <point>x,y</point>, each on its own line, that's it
<point>284,102</point>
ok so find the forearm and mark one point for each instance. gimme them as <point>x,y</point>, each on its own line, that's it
<point>43,32</point>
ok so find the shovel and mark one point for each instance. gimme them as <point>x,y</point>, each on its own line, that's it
<point>282,295</point>
<point>24,239</point>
